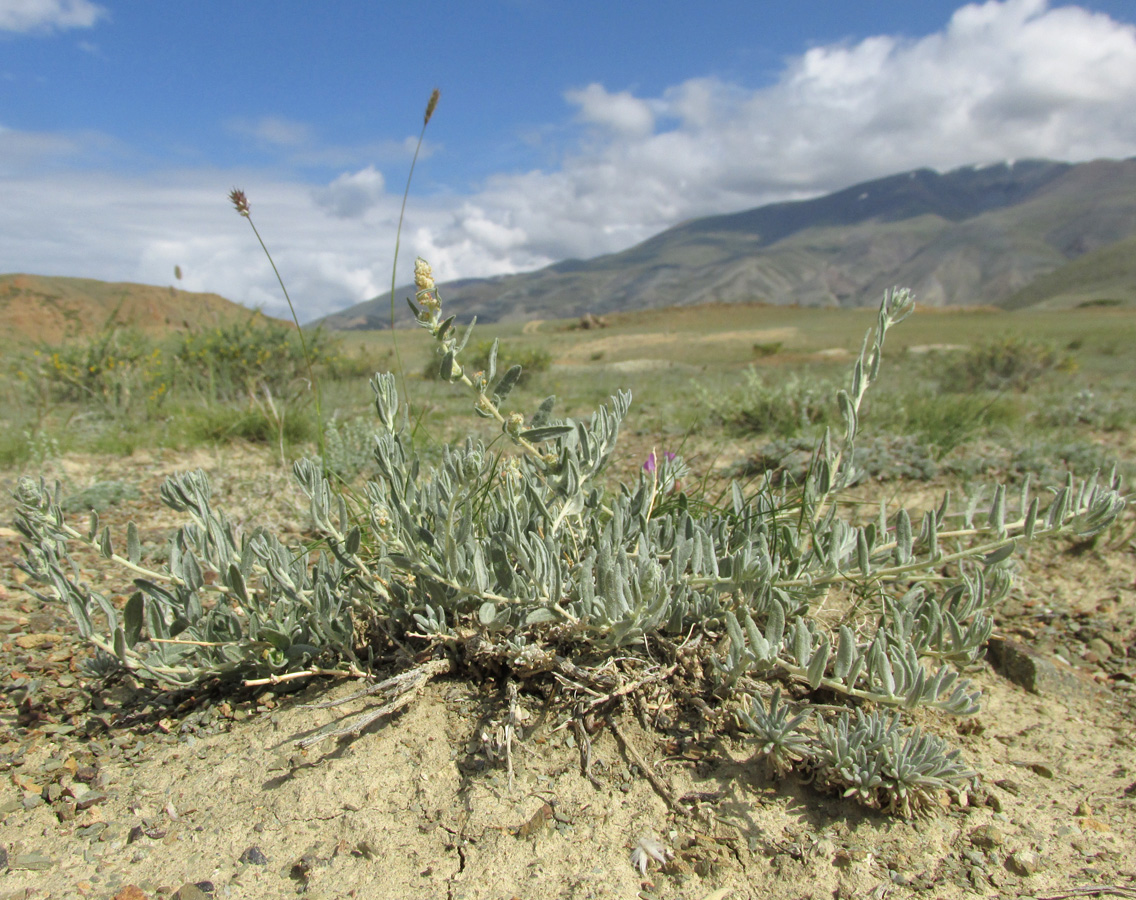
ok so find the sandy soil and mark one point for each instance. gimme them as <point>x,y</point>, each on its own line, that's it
<point>659,342</point>
<point>208,788</point>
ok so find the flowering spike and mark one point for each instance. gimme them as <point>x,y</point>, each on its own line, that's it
<point>240,201</point>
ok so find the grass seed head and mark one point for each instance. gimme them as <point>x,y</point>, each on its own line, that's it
<point>240,201</point>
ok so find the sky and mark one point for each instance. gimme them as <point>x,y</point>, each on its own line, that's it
<point>564,129</point>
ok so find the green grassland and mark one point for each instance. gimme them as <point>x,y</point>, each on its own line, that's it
<point>750,374</point>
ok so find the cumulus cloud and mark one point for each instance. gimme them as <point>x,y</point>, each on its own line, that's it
<point>352,194</point>
<point>620,113</point>
<point>47,15</point>
<point>1012,79</point>
<point>138,228</point>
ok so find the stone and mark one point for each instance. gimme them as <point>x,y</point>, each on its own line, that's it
<point>255,856</point>
<point>130,892</point>
<point>1023,862</point>
<point>987,837</point>
<point>89,799</point>
<point>33,861</point>
<point>1038,674</point>
<point>1101,648</point>
<point>36,641</point>
<point>190,891</point>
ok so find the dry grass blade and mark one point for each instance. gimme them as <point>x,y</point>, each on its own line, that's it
<point>400,689</point>
<point>660,786</point>
<point>1095,890</point>
<point>584,742</point>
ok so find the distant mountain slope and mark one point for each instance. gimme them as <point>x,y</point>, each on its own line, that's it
<point>972,236</point>
<point>1107,275</point>
<point>43,308</point>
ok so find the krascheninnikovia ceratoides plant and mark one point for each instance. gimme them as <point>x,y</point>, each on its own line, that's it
<point>529,563</point>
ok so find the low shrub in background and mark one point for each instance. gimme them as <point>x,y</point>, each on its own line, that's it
<point>1007,363</point>
<point>237,361</point>
<point>782,406</point>
<point>939,422</point>
<point>248,380</point>
<point>531,360</point>
<point>116,372</point>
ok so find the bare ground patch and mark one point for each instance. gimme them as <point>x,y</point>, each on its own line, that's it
<point>185,787</point>
<point>658,342</point>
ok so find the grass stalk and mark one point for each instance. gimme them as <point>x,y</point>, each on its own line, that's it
<point>431,105</point>
<point>240,201</point>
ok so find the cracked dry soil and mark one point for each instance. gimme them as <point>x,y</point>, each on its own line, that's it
<point>113,792</point>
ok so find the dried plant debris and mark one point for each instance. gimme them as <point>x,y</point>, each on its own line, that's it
<point>519,561</point>
<point>647,849</point>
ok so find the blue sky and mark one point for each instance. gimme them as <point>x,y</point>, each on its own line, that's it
<point>564,129</point>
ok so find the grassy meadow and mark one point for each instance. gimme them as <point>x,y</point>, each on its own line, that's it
<point>973,390</point>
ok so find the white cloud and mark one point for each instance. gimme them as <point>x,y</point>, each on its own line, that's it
<point>46,15</point>
<point>352,194</point>
<point>1013,79</point>
<point>620,113</point>
<point>119,228</point>
<point>275,131</point>
<point>297,143</point>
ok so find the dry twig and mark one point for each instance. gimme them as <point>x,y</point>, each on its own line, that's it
<point>657,783</point>
<point>400,690</point>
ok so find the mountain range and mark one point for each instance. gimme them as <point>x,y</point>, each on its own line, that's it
<point>1026,233</point>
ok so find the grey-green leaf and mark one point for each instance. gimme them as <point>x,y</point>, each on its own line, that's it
<point>546,433</point>
<point>132,618</point>
<point>508,381</point>
<point>133,545</point>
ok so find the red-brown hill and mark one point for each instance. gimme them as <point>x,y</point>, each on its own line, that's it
<point>38,308</point>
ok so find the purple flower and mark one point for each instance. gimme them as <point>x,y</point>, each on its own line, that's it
<point>650,464</point>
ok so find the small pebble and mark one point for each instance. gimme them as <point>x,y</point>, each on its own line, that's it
<point>1023,862</point>
<point>34,861</point>
<point>255,856</point>
<point>974,858</point>
<point>190,891</point>
<point>1010,787</point>
<point>89,799</point>
<point>987,837</point>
